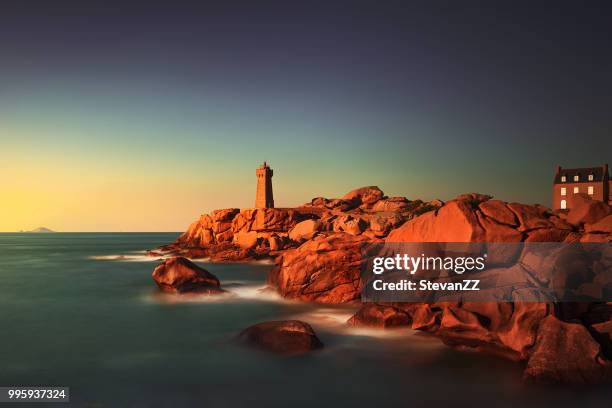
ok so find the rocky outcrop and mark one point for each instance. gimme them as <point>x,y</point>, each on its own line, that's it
<point>556,351</point>
<point>558,341</point>
<point>565,352</point>
<point>374,315</point>
<point>505,329</point>
<point>587,211</point>
<point>265,220</point>
<point>394,204</point>
<point>364,196</point>
<point>349,224</point>
<point>304,230</point>
<point>233,234</point>
<point>498,212</point>
<point>243,235</point>
<point>603,226</point>
<point>287,337</point>
<point>475,218</point>
<point>180,275</point>
<point>381,224</point>
<point>325,269</point>
<point>318,257</point>
<point>238,235</point>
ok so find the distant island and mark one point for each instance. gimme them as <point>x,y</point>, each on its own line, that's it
<point>40,229</point>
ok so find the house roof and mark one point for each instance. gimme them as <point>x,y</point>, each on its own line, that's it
<point>582,173</point>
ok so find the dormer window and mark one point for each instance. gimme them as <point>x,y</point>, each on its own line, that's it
<point>576,178</point>
<point>563,179</point>
<point>590,177</point>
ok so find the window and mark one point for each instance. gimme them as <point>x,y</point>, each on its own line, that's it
<point>576,178</point>
<point>576,190</point>
<point>563,179</point>
<point>563,191</point>
<point>590,177</point>
<point>563,204</point>
<point>591,190</point>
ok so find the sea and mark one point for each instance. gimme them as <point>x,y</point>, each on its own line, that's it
<point>80,310</point>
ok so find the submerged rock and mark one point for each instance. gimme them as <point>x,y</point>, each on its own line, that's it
<point>180,275</point>
<point>283,336</point>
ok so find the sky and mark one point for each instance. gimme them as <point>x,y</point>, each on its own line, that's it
<point>126,116</point>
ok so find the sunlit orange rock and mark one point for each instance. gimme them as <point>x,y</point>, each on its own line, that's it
<point>325,269</point>
<point>349,224</point>
<point>454,222</point>
<point>364,195</point>
<point>304,230</point>
<point>596,238</point>
<point>498,211</point>
<point>382,224</point>
<point>603,226</point>
<point>496,232</point>
<point>180,275</point>
<point>374,315</point>
<point>530,217</point>
<point>396,204</point>
<point>246,239</point>
<point>265,219</point>
<point>587,211</point>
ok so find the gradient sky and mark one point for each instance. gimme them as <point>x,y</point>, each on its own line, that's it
<point>139,117</point>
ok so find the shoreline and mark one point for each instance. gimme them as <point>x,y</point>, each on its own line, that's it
<point>316,259</point>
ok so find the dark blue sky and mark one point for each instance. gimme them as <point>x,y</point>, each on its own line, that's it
<point>424,98</point>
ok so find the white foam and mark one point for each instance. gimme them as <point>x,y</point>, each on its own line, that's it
<point>332,319</point>
<point>266,261</point>
<point>171,298</point>
<point>201,260</point>
<point>126,258</point>
<point>379,332</point>
<point>335,320</point>
<point>326,316</point>
<point>257,293</point>
<point>141,256</point>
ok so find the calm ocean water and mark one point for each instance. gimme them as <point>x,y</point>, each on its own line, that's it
<point>81,310</point>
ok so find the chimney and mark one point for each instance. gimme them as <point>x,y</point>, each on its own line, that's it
<point>558,170</point>
<point>605,171</point>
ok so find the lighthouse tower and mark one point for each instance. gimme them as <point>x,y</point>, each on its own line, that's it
<point>264,198</point>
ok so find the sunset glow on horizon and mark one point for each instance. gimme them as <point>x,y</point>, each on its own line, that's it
<point>144,130</point>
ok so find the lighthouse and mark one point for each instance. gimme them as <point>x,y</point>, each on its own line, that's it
<point>264,197</point>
